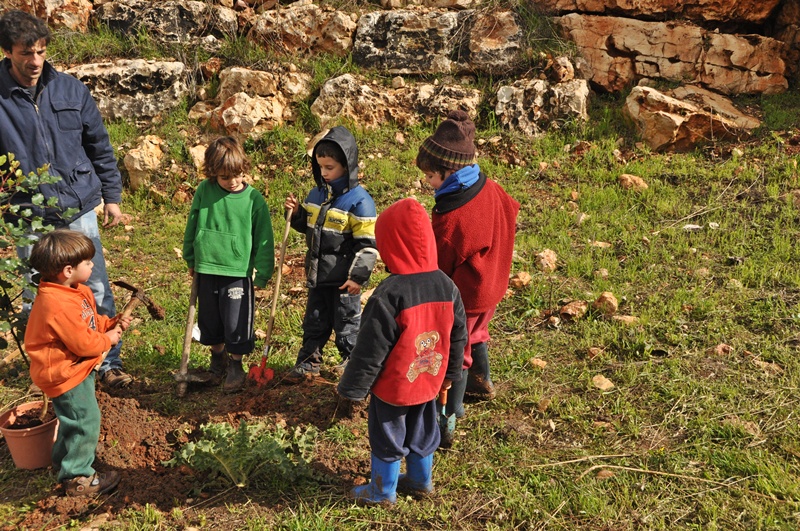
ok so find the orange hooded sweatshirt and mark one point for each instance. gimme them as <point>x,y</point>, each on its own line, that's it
<point>65,337</point>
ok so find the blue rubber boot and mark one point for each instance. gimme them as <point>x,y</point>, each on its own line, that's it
<point>382,488</point>
<point>416,481</point>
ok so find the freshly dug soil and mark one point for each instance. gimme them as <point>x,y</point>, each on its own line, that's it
<point>30,419</point>
<point>139,433</point>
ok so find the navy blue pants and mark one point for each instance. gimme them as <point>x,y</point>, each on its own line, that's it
<point>225,312</point>
<point>396,431</point>
<point>329,309</point>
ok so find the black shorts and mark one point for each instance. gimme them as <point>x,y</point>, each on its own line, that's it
<point>225,312</point>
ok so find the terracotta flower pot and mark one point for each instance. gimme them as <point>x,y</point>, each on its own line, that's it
<point>30,447</point>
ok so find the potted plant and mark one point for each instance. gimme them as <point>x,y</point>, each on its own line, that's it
<point>30,430</point>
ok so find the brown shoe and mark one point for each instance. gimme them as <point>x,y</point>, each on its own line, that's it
<point>479,387</point>
<point>116,379</point>
<point>92,485</point>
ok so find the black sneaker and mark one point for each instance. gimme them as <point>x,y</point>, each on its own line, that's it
<point>116,379</point>
<point>91,485</point>
<point>300,374</point>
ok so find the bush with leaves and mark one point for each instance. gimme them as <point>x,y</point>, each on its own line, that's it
<point>19,228</point>
<point>250,452</point>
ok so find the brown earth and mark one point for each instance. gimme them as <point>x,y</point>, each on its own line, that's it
<point>136,439</point>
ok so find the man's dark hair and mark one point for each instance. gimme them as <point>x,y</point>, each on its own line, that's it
<point>328,148</point>
<point>19,27</point>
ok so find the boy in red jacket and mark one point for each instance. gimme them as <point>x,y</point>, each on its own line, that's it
<point>474,221</point>
<point>409,348</point>
<point>67,340</point>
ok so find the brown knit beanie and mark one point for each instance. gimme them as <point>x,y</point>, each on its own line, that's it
<point>453,143</point>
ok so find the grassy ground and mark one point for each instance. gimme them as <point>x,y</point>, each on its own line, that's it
<point>692,435</point>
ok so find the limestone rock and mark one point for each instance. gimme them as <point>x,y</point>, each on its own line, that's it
<point>754,11</point>
<point>305,27</point>
<point>371,105</point>
<point>143,160</point>
<point>532,106</point>
<point>438,41</point>
<point>294,85</point>
<point>667,123</point>
<point>445,4</point>
<point>134,89</point>
<point>69,14</point>
<point>245,115</point>
<point>181,21</point>
<point>621,51</point>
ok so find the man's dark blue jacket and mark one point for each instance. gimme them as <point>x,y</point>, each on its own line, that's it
<point>62,128</point>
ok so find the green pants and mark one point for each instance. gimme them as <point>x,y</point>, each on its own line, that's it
<point>78,430</point>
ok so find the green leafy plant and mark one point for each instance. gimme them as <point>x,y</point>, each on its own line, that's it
<point>19,228</point>
<point>249,452</point>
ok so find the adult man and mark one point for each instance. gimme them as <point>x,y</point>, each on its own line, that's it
<point>50,118</point>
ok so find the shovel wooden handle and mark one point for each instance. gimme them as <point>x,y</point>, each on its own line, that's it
<point>277,289</point>
<point>442,398</point>
<point>187,339</point>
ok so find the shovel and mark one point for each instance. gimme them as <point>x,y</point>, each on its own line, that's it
<point>183,377</point>
<point>261,374</point>
<point>447,425</point>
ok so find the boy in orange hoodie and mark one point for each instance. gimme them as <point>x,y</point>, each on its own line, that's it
<point>67,340</point>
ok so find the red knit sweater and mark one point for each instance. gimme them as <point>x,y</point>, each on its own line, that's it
<point>475,231</point>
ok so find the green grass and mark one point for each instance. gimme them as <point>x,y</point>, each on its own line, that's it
<point>686,439</point>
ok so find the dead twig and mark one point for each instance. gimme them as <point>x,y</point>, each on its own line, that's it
<point>580,459</point>
<point>681,476</point>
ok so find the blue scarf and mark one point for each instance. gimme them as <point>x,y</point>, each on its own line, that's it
<point>460,180</point>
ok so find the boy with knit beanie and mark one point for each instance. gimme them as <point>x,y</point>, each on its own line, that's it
<point>474,221</point>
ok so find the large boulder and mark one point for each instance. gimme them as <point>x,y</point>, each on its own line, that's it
<point>621,51</point>
<point>69,14</point>
<point>667,123</point>
<point>134,89</point>
<point>532,106</point>
<point>305,27</point>
<point>438,41</point>
<point>370,105</point>
<point>753,11</point>
<point>254,101</point>
<point>181,21</point>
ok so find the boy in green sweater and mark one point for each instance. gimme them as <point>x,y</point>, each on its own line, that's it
<point>228,235</point>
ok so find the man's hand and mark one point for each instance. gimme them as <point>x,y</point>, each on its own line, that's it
<point>113,211</point>
<point>352,287</point>
<point>124,322</point>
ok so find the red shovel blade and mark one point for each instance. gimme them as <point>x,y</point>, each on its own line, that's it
<point>261,374</point>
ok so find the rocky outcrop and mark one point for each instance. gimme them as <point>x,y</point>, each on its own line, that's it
<point>622,51</point>
<point>69,14</point>
<point>444,4</point>
<point>254,101</point>
<point>437,41</point>
<point>182,21</point>
<point>752,11</point>
<point>532,106</point>
<point>371,105</point>
<point>305,27</point>
<point>134,89</point>
<point>667,123</point>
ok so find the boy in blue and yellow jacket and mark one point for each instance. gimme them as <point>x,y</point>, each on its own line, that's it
<point>410,347</point>
<point>338,219</point>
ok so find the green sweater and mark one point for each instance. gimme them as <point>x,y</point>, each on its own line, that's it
<point>229,234</point>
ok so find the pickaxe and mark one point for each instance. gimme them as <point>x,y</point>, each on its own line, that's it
<point>139,296</point>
